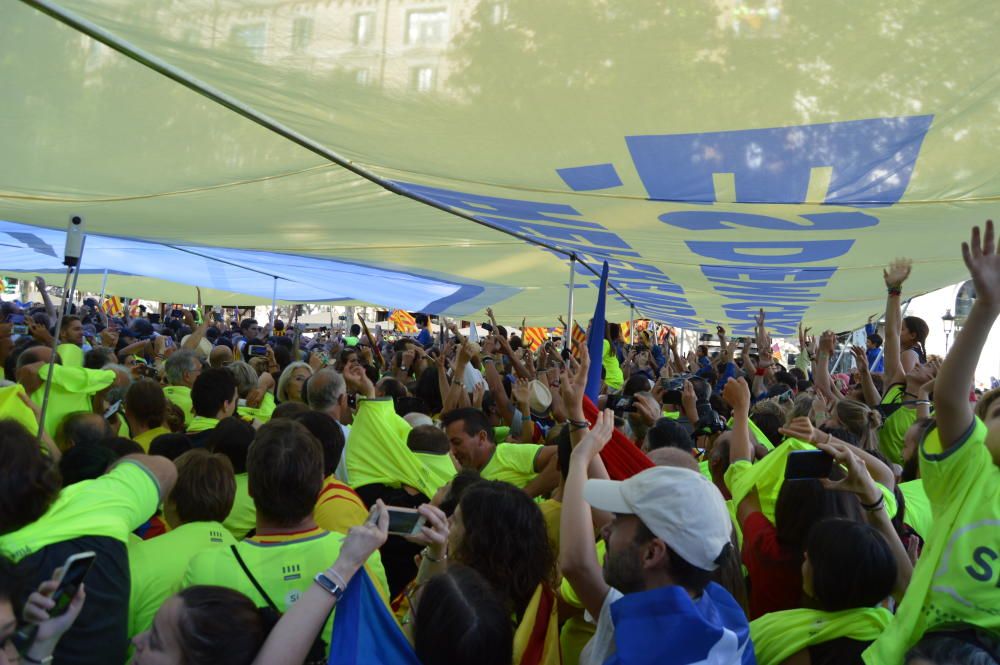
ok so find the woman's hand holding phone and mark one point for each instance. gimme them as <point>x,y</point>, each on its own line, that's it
<point>434,532</point>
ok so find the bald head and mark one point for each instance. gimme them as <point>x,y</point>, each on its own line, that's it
<point>673,457</point>
<point>219,356</point>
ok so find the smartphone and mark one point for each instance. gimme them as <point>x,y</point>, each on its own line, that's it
<point>808,465</point>
<point>15,318</point>
<point>74,570</point>
<point>19,329</point>
<point>258,350</point>
<point>177,313</point>
<point>405,521</point>
<point>113,409</point>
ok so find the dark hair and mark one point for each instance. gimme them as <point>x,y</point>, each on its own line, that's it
<point>421,319</point>
<point>121,446</point>
<point>473,421</point>
<point>852,564</point>
<point>285,469</point>
<point>327,431</point>
<point>10,588</point>
<point>171,445</point>
<point>462,619</point>
<point>462,481</point>
<point>406,404</point>
<point>875,339</point>
<point>220,626</point>
<point>429,390</point>
<point>681,571</point>
<point>246,323</point>
<point>920,330</point>
<point>289,410</point>
<point>769,423</point>
<point>98,357</point>
<point>30,481</point>
<point>83,428</point>
<point>787,379</point>
<point>146,403</point>
<point>393,388</point>
<point>211,390</point>
<point>427,439</point>
<point>802,503</point>
<point>667,433</point>
<point>205,487</point>
<point>635,384</point>
<point>232,437</point>
<point>491,511</point>
<point>85,463</point>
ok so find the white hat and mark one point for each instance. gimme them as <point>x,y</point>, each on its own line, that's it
<point>416,419</point>
<point>541,397</point>
<point>681,507</point>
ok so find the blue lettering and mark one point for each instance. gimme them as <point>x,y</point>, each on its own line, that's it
<point>711,220</point>
<point>768,274</point>
<point>804,251</point>
<point>984,572</point>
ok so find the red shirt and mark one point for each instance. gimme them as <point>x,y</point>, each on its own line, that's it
<point>775,572</point>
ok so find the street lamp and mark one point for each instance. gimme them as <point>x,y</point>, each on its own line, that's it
<point>948,321</point>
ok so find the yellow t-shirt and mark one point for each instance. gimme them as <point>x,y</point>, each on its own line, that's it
<point>146,438</point>
<point>113,506</point>
<point>956,578</point>
<point>12,407</point>
<point>918,514</point>
<point>513,463</point>
<point>440,467</point>
<point>157,567</point>
<point>262,412</point>
<point>201,424</point>
<point>283,565</point>
<point>243,516</point>
<point>338,507</point>
<point>72,388</point>
<point>377,451</point>
<point>181,396</point>
<point>893,431</point>
<point>612,368</point>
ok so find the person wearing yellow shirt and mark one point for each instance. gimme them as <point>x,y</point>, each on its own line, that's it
<point>182,369</point>
<point>145,412</point>
<point>521,464</point>
<point>213,397</point>
<point>285,468</point>
<point>431,447</point>
<point>195,508</point>
<point>954,583</point>
<point>233,438</point>
<point>256,392</point>
<point>72,388</point>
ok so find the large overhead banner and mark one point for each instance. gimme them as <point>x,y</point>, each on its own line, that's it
<point>721,155</point>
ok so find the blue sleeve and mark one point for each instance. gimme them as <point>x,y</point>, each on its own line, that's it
<point>870,328</point>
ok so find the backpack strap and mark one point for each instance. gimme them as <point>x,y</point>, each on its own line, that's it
<point>253,580</point>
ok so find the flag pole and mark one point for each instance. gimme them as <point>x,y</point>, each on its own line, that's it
<point>631,325</point>
<point>568,333</point>
<point>104,286</point>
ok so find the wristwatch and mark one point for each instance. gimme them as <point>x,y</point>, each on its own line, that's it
<point>329,585</point>
<point>34,661</point>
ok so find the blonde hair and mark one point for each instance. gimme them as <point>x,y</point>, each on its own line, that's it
<point>861,421</point>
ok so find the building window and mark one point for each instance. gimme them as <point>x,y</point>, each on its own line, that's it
<point>251,37</point>
<point>427,26</point>
<point>302,32</point>
<point>423,79</point>
<point>364,28</point>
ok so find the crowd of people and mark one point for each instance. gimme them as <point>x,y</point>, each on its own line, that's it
<point>240,494</point>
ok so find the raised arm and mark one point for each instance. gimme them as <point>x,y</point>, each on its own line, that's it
<point>50,309</point>
<point>872,396</point>
<point>894,276</point>
<point>951,388</point>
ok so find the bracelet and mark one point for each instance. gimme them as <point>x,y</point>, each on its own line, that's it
<point>577,426</point>
<point>333,587</point>
<point>44,661</point>
<point>761,371</point>
<point>488,359</point>
<point>339,580</point>
<point>895,290</point>
<point>426,553</point>
<point>923,402</point>
<point>579,423</point>
<point>875,507</point>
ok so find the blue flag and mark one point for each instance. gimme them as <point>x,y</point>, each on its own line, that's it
<point>595,340</point>
<point>365,632</point>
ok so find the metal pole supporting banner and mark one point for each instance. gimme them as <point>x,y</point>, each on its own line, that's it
<point>104,287</point>
<point>274,302</point>
<point>568,333</point>
<point>631,325</point>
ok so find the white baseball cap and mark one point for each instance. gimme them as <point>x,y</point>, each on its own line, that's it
<point>681,507</point>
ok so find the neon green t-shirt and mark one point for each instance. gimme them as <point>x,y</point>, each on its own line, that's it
<point>157,567</point>
<point>181,396</point>
<point>955,579</point>
<point>146,438</point>
<point>283,565</point>
<point>612,369</point>
<point>513,463</point>
<point>113,506</point>
<point>243,516</point>
<point>201,424</point>
<point>893,431</point>
<point>778,636</point>
<point>440,467</point>
<point>262,412</point>
<point>377,451</point>
<point>918,514</point>
<point>12,407</point>
<point>756,433</point>
<point>72,388</point>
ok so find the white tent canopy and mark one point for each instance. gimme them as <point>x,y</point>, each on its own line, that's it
<point>720,157</point>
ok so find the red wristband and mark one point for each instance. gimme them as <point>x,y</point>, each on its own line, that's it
<point>761,371</point>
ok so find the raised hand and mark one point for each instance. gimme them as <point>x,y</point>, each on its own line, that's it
<point>803,430</point>
<point>897,272</point>
<point>982,258</point>
<point>860,358</point>
<point>521,392</point>
<point>858,479</point>
<point>594,441</point>
<point>736,393</point>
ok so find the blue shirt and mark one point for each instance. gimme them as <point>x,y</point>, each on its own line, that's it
<point>424,338</point>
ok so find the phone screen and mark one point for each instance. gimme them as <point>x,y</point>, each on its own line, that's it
<point>15,318</point>
<point>73,576</point>
<point>808,464</point>
<point>403,521</point>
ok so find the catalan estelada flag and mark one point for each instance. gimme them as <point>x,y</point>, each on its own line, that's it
<point>112,306</point>
<point>534,337</point>
<point>404,321</point>
<point>579,338</point>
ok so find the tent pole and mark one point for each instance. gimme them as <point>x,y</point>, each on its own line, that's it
<point>568,333</point>
<point>631,325</point>
<point>104,287</point>
<point>274,302</point>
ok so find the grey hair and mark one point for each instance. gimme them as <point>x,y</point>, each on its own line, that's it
<point>286,376</point>
<point>182,360</point>
<point>325,390</point>
<point>246,376</point>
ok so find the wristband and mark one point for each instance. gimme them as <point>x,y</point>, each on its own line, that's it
<point>579,423</point>
<point>894,290</point>
<point>426,554</point>
<point>761,371</point>
<point>875,507</point>
<point>328,585</point>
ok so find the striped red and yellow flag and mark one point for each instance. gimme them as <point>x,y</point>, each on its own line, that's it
<point>112,306</point>
<point>579,339</point>
<point>404,321</point>
<point>535,337</point>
